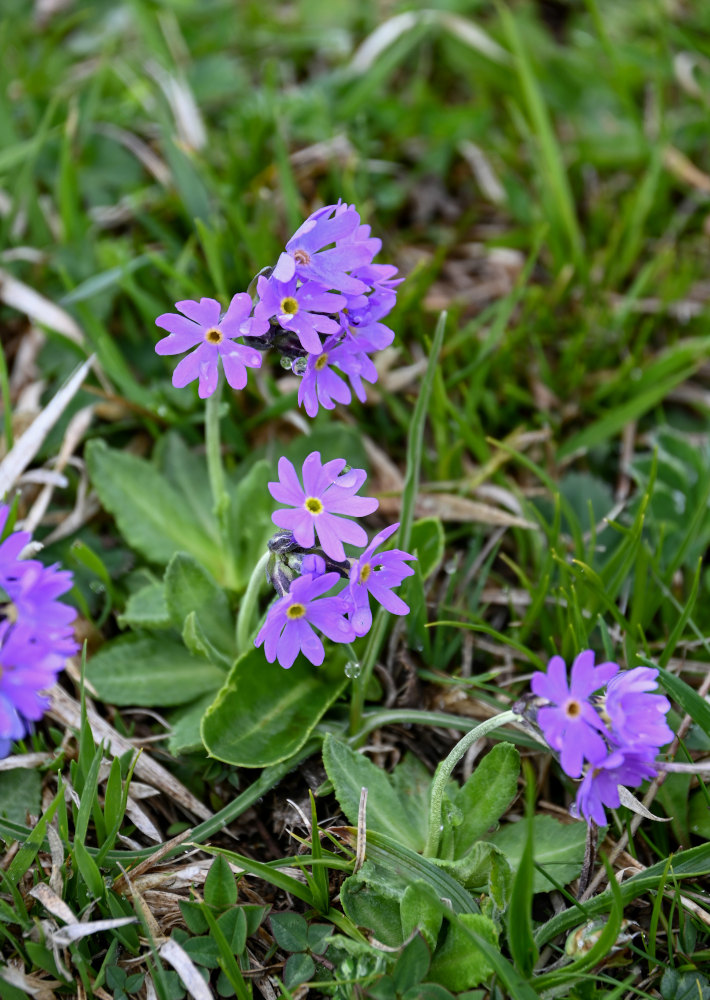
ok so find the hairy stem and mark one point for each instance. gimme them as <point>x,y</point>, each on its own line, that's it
<point>445,770</point>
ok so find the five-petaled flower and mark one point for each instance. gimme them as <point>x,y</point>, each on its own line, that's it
<point>319,502</point>
<point>377,573</point>
<point>570,723</point>
<point>202,327</point>
<point>288,628</point>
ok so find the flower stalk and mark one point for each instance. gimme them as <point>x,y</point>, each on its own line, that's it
<point>445,770</point>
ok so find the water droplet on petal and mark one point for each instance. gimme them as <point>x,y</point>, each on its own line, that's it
<point>353,669</point>
<point>299,366</point>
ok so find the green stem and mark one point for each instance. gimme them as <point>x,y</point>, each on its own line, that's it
<point>248,605</point>
<point>215,470</point>
<point>445,770</point>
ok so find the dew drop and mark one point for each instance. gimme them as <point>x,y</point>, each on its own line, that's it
<point>299,366</point>
<point>353,669</point>
<point>285,363</point>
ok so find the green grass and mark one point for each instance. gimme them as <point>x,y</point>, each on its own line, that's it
<point>153,151</point>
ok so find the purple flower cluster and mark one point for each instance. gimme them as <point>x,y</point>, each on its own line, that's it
<point>320,505</point>
<point>617,735</point>
<point>320,307</point>
<point>35,634</point>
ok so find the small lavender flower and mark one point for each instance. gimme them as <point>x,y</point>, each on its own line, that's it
<point>290,621</point>
<point>201,325</point>
<point>600,785</point>
<point>310,256</point>
<point>636,717</point>
<point>35,634</point>
<point>321,384</point>
<point>377,574</point>
<point>299,309</point>
<point>324,495</point>
<point>570,724</point>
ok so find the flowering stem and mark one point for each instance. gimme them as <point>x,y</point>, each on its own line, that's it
<point>215,469</point>
<point>445,770</point>
<point>245,617</point>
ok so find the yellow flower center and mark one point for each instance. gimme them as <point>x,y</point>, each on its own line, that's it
<point>289,305</point>
<point>321,362</point>
<point>296,611</point>
<point>573,709</point>
<point>301,257</point>
<point>313,505</point>
<point>364,573</point>
<point>214,335</point>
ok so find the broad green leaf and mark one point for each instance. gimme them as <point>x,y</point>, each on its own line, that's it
<point>459,964</point>
<point>427,543</point>
<point>290,931</point>
<point>412,965</point>
<point>263,713</point>
<point>185,725</point>
<point>386,811</point>
<point>186,471</point>
<point>557,846</point>
<point>486,795</point>
<point>220,889</point>
<point>299,969</point>
<point>412,783</point>
<point>370,902</point>
<point>143,670</point>
<point>151,515</point>
<point>20,794</point>
<point>146,609</point>
<point>473,870</point>
<point>191,591</point>
<point>419,912</point>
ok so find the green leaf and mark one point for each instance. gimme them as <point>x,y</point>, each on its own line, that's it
<point>557,846</point>
<point>233,925</point>
<point>185,725</point>
<point>386,812</point>
<point>474,869</point>
<point>20,793</point>
<point>412,964</point>
<point>146,609</point>
<point>459,964</point>
<point>142,670</point>
<point>220,886</point>
<point>151,515</point>
<point>371,902</point>
<point>290,931</point>
<point>298,969</point>
<point>486,795</point>
<point>684,986</point>
<point>191,593</point>
<point>427,543</point>
<point>418,911</point>
<point>686,696</point>
<point>277,710</point>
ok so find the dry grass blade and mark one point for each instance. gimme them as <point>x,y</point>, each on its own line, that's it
<point>53,903</point>
<point>67,710</point>
<point>188,120</point>
<point>28,761</point>
<point>141,150</point>
<point>186,969</point>
<point>18,295</point>
<point>682,168</point>
<point>27,446</point>
<point>449,507</point>
<point>74,932</point>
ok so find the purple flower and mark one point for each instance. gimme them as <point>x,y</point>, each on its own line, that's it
<point>321,384</point>
<point>307,255</point>
<point>377,575</point>
<point>201,325</point>
<point>570,724</point>
<point>288,628</point>
<point>299,309</point>
<point>35,634</point>
<point>600,785</point>
<point>324,495</point>
<point>637,718</point>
